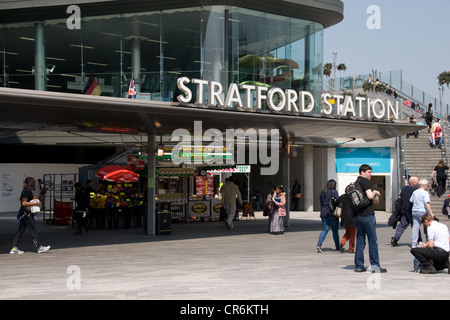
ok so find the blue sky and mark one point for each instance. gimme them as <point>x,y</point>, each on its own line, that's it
<point>414,36</point>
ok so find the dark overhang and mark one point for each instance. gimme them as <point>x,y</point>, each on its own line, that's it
<point>40,110</point>
<point>325,12</point>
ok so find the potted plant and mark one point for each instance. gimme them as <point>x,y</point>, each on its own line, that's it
<point>342,67</point>
<point>368,86</point>
<point>444,78</point>
<point>327,69</point>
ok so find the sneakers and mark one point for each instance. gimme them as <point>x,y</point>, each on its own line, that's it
<point>43,249</point>
<point>319,249</point>
<point>394,242</point>
<point>15,251</point>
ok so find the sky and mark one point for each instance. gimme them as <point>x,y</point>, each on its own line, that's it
<point>409,35</point>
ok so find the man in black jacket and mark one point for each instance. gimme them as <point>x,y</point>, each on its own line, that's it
<point>406,212</point>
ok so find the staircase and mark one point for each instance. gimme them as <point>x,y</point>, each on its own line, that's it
<point>420,159</point>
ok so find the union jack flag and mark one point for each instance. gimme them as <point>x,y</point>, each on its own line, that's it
<point>132,89</point>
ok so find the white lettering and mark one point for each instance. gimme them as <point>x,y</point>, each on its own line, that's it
<point>260,96</point>
<point>74,21</point>
<point>248,95</point>
<point>278,99</point>
<point>349,106</point>
<point>214,95</point>
<point>292,97</point>
<point>328,106</point>
<point>200,84</point>
<point>382,113</point>
<point>270,99</point>
<point>233,96</point>
<point>303,96</point>
<point>181,84</point>
<point>374,21</point>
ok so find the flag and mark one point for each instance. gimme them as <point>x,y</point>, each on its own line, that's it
<point>92,87</point>
<point>132,89</point>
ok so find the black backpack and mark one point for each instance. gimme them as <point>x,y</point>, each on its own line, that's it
<point>357,199</point>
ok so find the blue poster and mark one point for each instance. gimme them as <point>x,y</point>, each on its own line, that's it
<point>348,160</point>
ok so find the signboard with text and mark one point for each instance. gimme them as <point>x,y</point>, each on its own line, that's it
<point>348,160</point>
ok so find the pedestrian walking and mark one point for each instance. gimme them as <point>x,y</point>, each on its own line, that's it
<point>268,211</point>
<point>440,170</point>
<point>348,223</point>
<point>328,201</point>
<point>26,218</point>
<point>230,193</point>
<point>279,211</point>
<point>82,208</point>
<point>436,138</point>
<point>366,223</point>
<point>406,210</point>
<point>421,205</point>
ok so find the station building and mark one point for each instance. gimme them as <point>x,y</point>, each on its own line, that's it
<point>254,66</point>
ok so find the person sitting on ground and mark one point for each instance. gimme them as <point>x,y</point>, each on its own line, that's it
<point>434,254</point>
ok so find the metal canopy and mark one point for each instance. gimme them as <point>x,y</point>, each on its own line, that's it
<point>327,13</point>
<point>42,110</point>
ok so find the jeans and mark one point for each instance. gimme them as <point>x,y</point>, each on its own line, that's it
<point>329,222</point>
<point>365,225</point>
<point>417,220</point>
<point>401,227</point>
<point>437,142</point>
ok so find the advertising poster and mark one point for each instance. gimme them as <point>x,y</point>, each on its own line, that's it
<point>348,160</point>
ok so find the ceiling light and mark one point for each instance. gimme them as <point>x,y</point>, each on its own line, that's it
<point>97,64</point>
<point>56,59</point>
<point>81,46</point>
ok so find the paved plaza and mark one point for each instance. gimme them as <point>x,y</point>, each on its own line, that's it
<point>205,261</point>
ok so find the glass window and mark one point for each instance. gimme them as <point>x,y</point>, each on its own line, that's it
<point>102,53</point>
<point>63,57</point>
<point>18,55</point>
<point>215,43</point>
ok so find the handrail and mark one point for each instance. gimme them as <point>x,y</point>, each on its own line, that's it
<point>403,84</point>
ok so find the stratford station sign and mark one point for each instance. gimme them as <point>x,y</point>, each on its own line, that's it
<point>212,93</point>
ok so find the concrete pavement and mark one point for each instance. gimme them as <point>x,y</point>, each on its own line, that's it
<point>205,261</point>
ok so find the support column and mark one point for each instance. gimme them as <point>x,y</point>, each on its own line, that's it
<point>286,178</point>
<point>308,181</point>
<point>307,56</point>
<point>151,184</point>
<point>40,80</point>
<point>136,63</point>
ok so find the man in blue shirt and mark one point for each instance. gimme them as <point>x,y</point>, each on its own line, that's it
<point>421,205</point>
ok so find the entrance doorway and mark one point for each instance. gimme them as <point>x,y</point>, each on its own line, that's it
<point>379,183</point>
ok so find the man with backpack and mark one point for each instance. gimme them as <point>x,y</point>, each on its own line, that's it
<point>365,223</point>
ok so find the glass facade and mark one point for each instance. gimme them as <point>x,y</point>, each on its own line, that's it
<point>218,43</point>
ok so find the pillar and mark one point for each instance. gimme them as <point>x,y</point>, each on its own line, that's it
<point>40,80</point>
<point>308,180</point>
<point>151,184</point>
<point>136,63</point>
<point>286,174</point>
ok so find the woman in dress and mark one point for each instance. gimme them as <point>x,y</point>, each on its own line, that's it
<point>329,220</point>
<point>279,211</point>
<point>441,177</point>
